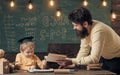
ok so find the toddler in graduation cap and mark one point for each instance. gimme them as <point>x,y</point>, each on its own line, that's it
<point>26,59</point>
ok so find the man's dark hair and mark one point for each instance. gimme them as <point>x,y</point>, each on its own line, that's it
<point>80,16</point>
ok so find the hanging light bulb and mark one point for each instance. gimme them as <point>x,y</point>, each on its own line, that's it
<point>104,3</point>
<point>12,3</point>
<point>51,3</point>
<point>85,3</point>
<point>58,13</point>
<point>113,15</point>
<point>30,5</point>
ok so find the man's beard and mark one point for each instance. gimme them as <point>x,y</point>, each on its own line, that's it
<point>83,33</point>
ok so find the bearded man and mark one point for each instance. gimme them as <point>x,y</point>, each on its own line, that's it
<point>99,42</point>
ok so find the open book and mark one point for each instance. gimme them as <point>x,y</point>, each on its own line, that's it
<point>54,57</point>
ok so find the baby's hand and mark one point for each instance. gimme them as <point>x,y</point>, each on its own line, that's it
<point>44,62</point>
<point>31,67</point>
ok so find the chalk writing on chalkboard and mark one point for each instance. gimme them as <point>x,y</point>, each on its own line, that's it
<point>44,29</point>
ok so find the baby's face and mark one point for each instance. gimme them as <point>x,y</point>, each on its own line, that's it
<point>28,49</point>
<point>28,53</point>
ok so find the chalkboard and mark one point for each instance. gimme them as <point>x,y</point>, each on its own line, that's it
<point>41,22</point>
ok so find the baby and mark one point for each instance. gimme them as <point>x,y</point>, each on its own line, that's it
<point>26,59</point>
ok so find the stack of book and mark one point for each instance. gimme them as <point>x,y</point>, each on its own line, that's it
<point>97,66</point>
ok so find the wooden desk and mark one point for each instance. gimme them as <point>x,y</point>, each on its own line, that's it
<point>80,72</point>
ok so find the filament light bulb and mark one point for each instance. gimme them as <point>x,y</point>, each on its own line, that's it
<point>51,3</point>
<point>104,3</point>
<point>58,13</point>
<point>12,3</point>
<point>113,15</point>
<point>30,5</point>
<point>85,3</point>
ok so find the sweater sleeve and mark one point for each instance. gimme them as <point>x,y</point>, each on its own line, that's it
<point>39,62</point>
<point>18,60</point>
<point>19,64</point>
<point>84,51</point>
<point>87,56</point>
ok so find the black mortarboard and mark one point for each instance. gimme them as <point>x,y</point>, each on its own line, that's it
<point>25,39</point>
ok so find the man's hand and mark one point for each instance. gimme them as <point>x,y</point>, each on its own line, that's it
<point>64,63</point>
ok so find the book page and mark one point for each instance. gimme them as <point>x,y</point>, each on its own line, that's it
<point>54,57</point>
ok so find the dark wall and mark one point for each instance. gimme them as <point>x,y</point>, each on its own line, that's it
<point>116,10</point>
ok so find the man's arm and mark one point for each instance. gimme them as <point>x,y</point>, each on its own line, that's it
<point>97,42</point>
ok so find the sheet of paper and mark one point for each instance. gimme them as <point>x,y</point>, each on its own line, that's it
<point>54,57</point>
<point>40,70</point>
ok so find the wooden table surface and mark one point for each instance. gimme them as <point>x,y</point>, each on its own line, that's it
<point>79,72</point>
